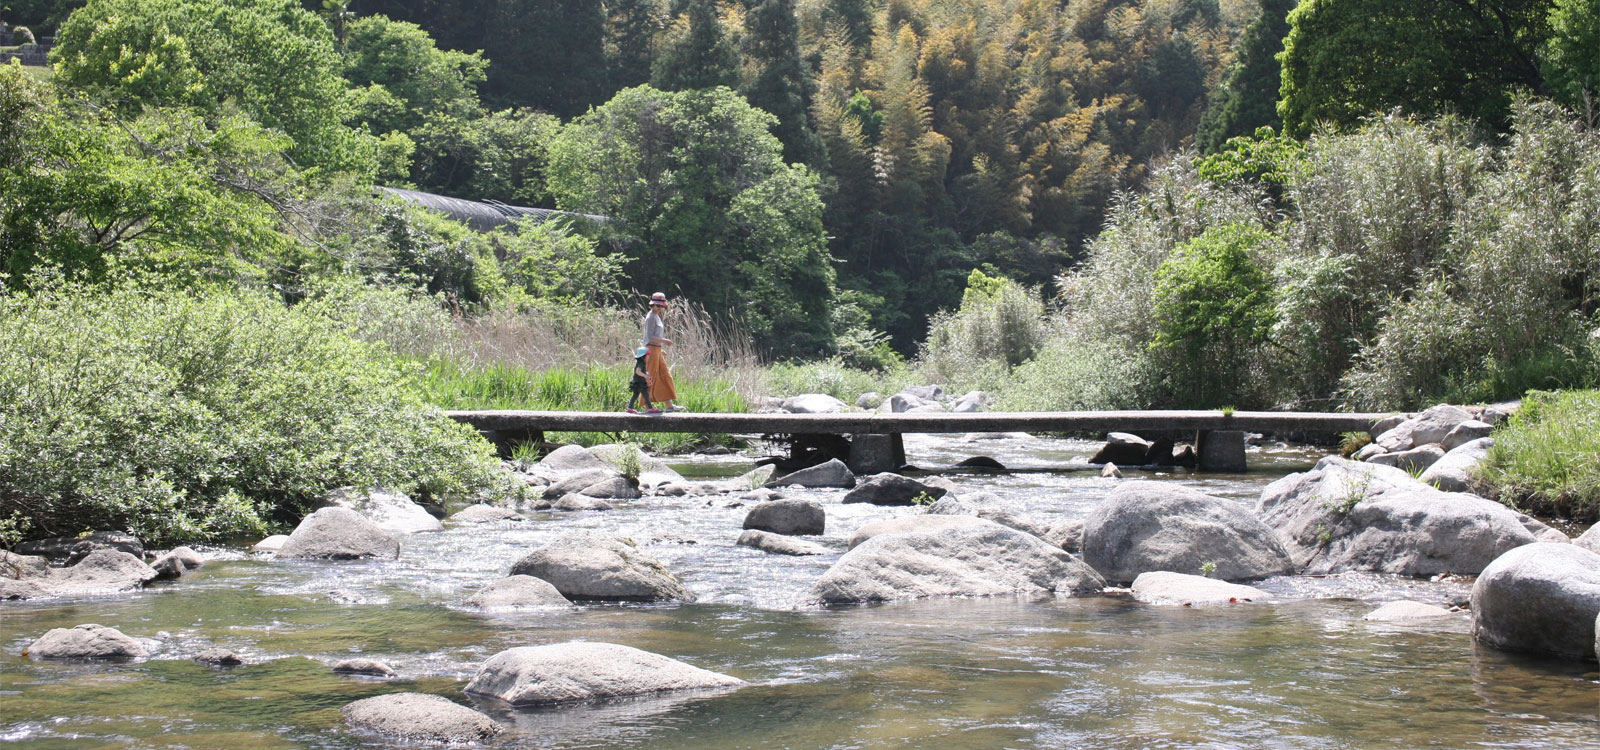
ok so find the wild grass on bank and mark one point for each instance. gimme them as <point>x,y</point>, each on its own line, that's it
<point>1546,460</point>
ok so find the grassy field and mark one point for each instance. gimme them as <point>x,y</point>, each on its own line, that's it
<point>451,385</point>
<point>1546,460</point>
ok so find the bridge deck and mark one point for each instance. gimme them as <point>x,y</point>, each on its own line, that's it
<point>869,423</point>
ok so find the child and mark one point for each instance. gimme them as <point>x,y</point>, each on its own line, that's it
<point>640,385</point>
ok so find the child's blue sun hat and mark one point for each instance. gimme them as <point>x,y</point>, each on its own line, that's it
<point>640,352</point>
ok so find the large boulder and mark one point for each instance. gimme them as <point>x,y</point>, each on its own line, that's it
<point>271,544</point>
<point>1413,460</point>
<point>1150,526</point>
<point>988,506</point>
<point>1167,588</point>
<point>814,403</point>
<point>971,401</point>
<point>652,471</point>
<point>1122,448</point>
<point>923,392</point>
<point>615,488</point>
<point>420,717</point>
<point>892,489</point>
<point>831,474</point>
<point>1466,432</point>
<point>1453,471</point>
<point>576,481</point>
<point>564,461</point>
<point>1589,540</point>
<point>60,548</point>
<point>573,501</point>
<point>984,559</point>
<point>518,592</point>
<point>484,513</point>
<point>392,511</point>
<point>103,570</point>
<point>335,533</point>
<point>22,567</point>
<point>787,517</point>
<point>580,671</point>
<point>913,525</point>
<point>779,544</point>
<point>88,641</point>
<point>599,566</point>
<point>1344,515</point>
<point>12,589</point>
<point>1430,426</point>
<point>1541,598</point>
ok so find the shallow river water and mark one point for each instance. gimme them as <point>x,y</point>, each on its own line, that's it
<point>1303,671</point>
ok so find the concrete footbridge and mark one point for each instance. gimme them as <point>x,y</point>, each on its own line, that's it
<point>872,441</point>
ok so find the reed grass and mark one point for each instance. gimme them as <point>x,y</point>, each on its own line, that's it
<point>1546,460</point>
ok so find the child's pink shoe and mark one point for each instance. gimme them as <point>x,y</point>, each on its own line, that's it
<point>652,410</point>
<point>632,410</point>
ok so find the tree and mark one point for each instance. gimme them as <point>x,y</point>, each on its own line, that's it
<point>1347,59</point>
<point>1248,96</point>
<point>270,59</point>
<point>1213,305</point>
<point>502,156</point>
<point>701,56</point>
<point>1572,56</point>
<point>696,185</point>
<point>403,63</point>
<point>631,29</point>
<point>782,85</point>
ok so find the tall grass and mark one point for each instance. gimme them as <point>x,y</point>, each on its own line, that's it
<point>1546,460</point>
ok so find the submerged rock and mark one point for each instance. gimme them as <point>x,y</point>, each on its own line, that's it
<point>392,511</point>
<point>831,474</point>
<point>984,559</point>
<point>1158,526</point>
<point>367,667</point>
<point>420,717</point>
<point>596,565</point>
<point>335,533</point>
<point>1167,588</point>
<point>176,563</point>
<point>483,513</point>
<point>1122,448</point>
<point>517,592</point>
<point>271,544</point>
<point>218,657</point>
<point>87,641</point>
<point>1405,610</point>
<point>104,570</point>
<point>787,517</point>
<point>581,671</point>
<point>779,544</point>
<point>892,489</point>
<point>1344,516</point>
<point>1541,598</point>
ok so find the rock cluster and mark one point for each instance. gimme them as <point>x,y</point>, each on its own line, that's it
<point>597,566</point>
<point>1449,437</point>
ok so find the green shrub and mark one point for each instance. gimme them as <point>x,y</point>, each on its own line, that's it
<point>179,417</point>
<point>831,377</point>
<point>1000,325</point>
<point>1213,309</point>
<point>1076,374</point>
<point>1546,459</point>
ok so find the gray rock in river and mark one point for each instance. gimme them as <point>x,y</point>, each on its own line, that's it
<point>1150,526</point>
<point>1345,515</point>
<point>23,567</point>
<point>220,658</point>
<point>103,571</point>
<point>1541,598</point>
<point>1386,424</point>
<point>831,474</point>
<point>14,590</point>
<point>924,392</point>
<point>392,511</point>
<point>60,548</point>
<point>564,461</point>
<point>87,641</point>
<point>1405,610</point>
<point>335,533</point>
<point>271,544</point>
<point>1162,587</point>
<point>614,488</point>
<point>596,565</point>
<point>814,403</point>
<point>576,481</point>
<point>518,592</point>
<point>985,559</point>
<point>1453,471</point>
<point>1122,448</point>
<point>581,671</point>
<point>787,517</point>
<point>1431,426</point>
<point>366,667</point>
<point>779,544</point>
<point>1589,540</point>
<point>177,562</point>
<point>573,501</point>
<point>913,525</point>
<point>1413,460</point>
<point>1068,535</point>
<point>1466,432</point>
<point>892,489</point>
<point>988,506</point>
<point>484,513</point>
<point>420,717</point>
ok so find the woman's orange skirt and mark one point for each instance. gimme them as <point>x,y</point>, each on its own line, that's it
<point>661,386</point>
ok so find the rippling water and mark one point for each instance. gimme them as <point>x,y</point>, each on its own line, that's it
<point>1098,672</point>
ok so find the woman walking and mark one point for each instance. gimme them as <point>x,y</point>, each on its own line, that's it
<point>662,389</point>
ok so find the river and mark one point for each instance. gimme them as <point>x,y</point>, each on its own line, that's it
<point>1303,671</point>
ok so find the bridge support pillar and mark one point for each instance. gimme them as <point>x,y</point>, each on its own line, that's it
<point>872,454</point>
<point>1220,451</point>
<point>506,441</point>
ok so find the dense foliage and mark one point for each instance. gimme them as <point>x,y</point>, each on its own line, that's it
<point>1547,459</point>
<point>195,416</point>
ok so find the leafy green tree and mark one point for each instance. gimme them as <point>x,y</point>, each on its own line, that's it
<point>782,85</point>
<point>1213,306</point>
<point>701,56</point>
<point>1347,59</point>
<point>419,79</point>
<point>270,59</point>
<point>552,264</point>
<point>1572,56</point>
<point>696,184</point>
<point>501,156</point>
<point>631,29</point>
<point>1248,96</point>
